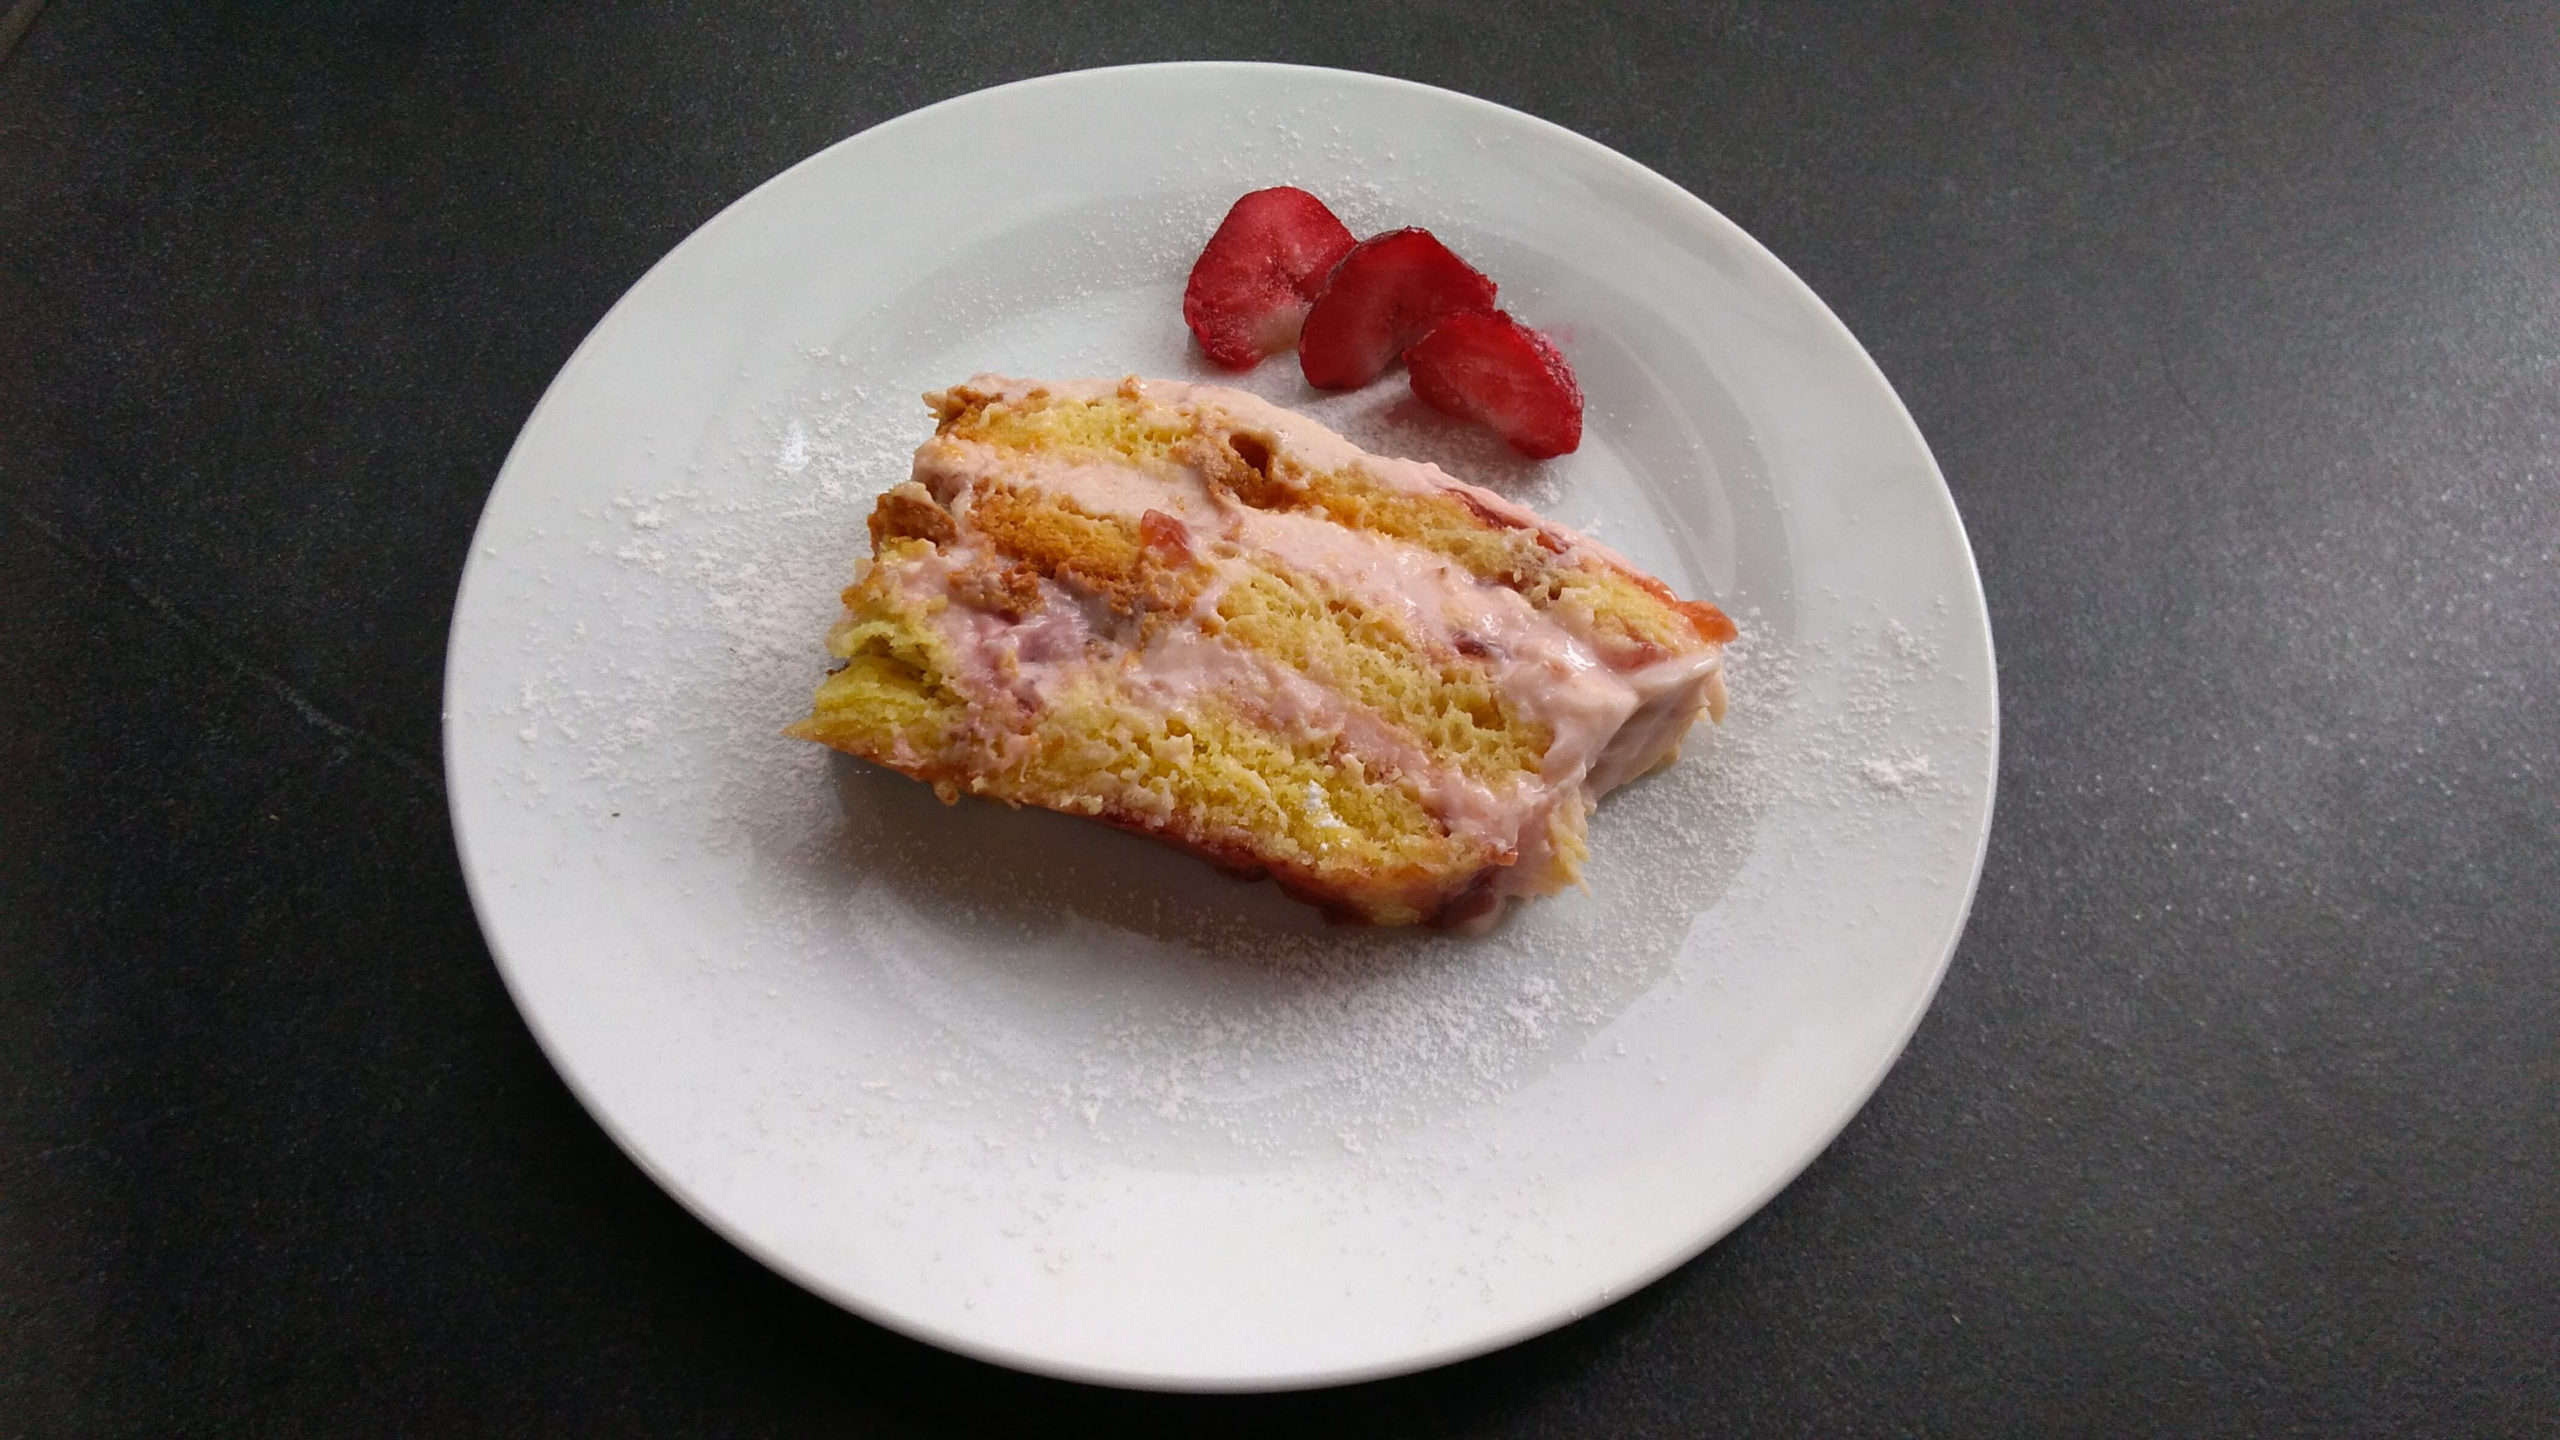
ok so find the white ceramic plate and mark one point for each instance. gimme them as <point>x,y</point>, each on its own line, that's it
<point>1045,1094</point>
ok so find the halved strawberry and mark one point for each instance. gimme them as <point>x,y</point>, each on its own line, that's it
<point>1386,294</point>
<point>1493,369</point>
<point>1252,284</point>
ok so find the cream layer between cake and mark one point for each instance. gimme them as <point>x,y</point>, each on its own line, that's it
<point>1612,713</point>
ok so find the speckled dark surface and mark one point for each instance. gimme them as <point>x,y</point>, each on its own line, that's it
<point>2236,330</point>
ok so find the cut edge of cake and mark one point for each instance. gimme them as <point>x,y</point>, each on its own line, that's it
<point>1189,613</point>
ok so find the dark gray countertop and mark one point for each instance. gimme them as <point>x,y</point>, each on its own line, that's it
<point>2236,331</point>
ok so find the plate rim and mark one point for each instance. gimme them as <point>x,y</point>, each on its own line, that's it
<point>1596,1296</point>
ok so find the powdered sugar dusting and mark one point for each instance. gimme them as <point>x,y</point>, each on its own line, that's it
<point>1184,1008</point>
<point>1178,1010</point>
<point>1014,1076</point>
<point>1906,773</point>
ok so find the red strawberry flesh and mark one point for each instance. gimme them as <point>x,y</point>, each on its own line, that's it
<point>1251,286</point>
<point>1495,370</point>
<point>1386,294</point>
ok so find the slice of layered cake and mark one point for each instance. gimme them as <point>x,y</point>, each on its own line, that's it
<point>1189,613</point>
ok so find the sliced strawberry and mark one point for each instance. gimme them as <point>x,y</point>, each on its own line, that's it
<point>1252,284</point>
<point>1386,294</point>
<point>1493,369</point>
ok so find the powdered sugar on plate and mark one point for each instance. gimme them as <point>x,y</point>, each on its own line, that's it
<point>1181,1009</point>
<point>1044,1092</point>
